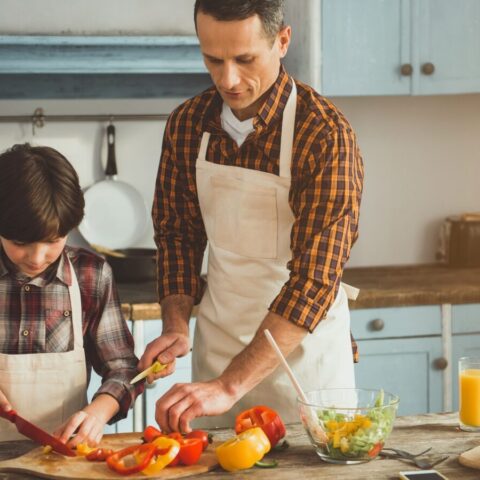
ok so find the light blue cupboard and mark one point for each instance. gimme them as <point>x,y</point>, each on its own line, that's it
<point>398,47</point>
<point>401,351</point>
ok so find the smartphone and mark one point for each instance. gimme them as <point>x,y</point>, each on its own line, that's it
<point>422,475</point>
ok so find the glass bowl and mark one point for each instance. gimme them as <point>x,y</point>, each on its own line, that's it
<point>348,425</point>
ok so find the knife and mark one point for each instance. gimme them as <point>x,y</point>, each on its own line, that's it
<point>155,368</point>
<point>35,433</point>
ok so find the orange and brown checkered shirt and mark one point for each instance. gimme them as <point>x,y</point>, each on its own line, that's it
<point>325,193</point>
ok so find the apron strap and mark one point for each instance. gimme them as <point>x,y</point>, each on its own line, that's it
<point>288,132</point>
<point>352,292</point>
<point>76,303</point>
<point>203,146</point>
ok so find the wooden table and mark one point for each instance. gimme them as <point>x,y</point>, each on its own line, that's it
<point>414,433</point>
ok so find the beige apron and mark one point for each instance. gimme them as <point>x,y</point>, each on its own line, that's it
<point>47,388</point>
<point>248,221</point>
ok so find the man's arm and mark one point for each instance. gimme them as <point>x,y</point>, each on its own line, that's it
<point>174,341</point>
<point>183,403</point>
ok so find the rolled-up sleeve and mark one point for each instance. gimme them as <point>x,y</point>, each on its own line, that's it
<point>326,209</point>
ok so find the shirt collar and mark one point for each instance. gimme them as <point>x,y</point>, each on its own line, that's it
<point>271,111</point>
<point>60,269</point>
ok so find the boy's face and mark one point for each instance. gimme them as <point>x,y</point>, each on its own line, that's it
<point>33,258</point>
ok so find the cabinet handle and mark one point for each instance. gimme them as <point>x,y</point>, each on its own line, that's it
<point>406,69</point>
<point>440,363</point>
<point>428,68</point>
<point>377,325</point>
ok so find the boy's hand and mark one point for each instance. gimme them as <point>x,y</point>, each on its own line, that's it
<point>89,422</point>
<point>89,429</point>
<point>4,403</point>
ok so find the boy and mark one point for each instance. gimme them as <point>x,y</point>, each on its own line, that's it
<point>59,310</point>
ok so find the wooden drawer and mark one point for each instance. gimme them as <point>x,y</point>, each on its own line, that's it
<point>396,322</point>
<point>466,318</point>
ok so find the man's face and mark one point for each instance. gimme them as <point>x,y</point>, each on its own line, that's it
<point>241,60</point>
<point>33,258</point>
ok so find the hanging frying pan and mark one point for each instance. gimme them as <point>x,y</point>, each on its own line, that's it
<point>115,213</point>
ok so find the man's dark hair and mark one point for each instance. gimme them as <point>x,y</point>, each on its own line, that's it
<point>40,195</point>
<point>269,11</point>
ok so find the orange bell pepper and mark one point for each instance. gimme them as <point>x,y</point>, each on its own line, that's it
<point>265,418</point>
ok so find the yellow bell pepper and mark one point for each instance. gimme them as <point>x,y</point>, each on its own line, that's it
<point>169,448</point>
<point>244,450</point>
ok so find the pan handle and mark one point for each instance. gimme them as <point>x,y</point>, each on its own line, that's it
<point>111,159</point>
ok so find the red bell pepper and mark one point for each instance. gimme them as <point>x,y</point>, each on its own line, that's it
<point>190,450</point>
<point>143,454</point>
<point>151,433</point>
<point>204,436</point>
<point>99,455</point>
<point>265,418</point>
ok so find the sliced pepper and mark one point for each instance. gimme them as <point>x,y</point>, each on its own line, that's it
<point>83,449</point>
<point>142,453</point>
<point>244,450</point>
<point>151,433</point>
<point>166,449</point>
<point>190,451</point>
<point>99,454</point>
<point>265,418</point>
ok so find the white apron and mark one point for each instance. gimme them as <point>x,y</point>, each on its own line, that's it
<point>248,221</point>
<point>46,388</point>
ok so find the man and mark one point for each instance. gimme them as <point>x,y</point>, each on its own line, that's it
<point>268,172</point>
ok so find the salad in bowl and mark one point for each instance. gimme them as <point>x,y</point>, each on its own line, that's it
<point>355,423</point>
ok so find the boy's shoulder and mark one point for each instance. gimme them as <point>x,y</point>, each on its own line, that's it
<point>87,262</point>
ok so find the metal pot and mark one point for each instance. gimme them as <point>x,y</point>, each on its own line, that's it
<point>136,264</point>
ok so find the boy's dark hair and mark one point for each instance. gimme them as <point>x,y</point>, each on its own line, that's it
<point>40,195</point>
<point>269,11</point>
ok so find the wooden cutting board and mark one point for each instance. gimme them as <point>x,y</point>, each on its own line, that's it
<point>56,466</point>
<point>470,458</point>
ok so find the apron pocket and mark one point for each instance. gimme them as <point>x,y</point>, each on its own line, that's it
<point>245,218</point>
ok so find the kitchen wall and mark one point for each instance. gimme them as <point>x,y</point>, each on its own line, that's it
<point>422,155</point>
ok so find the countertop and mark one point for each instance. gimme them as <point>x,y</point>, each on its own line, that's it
<point>386,286</point>
<point>414,434</point>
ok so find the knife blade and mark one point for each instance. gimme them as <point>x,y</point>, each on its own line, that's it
<point>154,368</point>
<point>36,433</point>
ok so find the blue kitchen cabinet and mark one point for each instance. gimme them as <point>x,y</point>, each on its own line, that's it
<point>395,47</point>
<point>399,349</point>
<point>448,35</point>
<point>465,339</point>
<point>363,47</point>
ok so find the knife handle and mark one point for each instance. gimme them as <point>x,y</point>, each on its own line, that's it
<point>10,415</point>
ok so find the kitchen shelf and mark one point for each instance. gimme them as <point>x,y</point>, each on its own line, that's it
<point>100,66</point>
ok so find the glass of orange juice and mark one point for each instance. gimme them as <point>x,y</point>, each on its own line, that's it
<point>469,393</point>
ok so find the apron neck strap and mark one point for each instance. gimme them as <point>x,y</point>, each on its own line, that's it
<point>288,132</point>
<point>203,146</point>
<point>76,303</point>
<point>286,142</point>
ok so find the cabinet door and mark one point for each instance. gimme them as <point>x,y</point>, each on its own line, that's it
<point>462,346</point>
<point>447,34</point>
<point>404,367</point>
<point>364,45</point>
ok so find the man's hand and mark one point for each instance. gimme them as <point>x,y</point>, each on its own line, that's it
<point>165,349</point>
<point>186,401</point>
<point>4,403</point>
<point>174,341</point>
